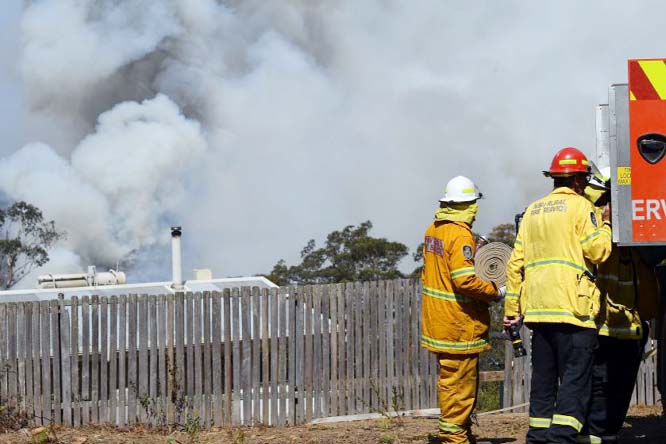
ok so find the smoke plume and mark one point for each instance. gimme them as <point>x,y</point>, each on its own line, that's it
<point>258,125</point>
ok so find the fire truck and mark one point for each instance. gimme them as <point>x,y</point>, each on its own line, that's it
<point>631,139</point>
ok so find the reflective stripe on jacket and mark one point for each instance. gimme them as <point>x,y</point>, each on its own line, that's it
<point>551,270</point>
<point>454,311</point>
<point>629,292</point>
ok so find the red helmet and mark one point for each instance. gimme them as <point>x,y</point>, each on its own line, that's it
<point>568,161</point>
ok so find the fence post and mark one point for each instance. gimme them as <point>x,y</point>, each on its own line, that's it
<point>507,400</point>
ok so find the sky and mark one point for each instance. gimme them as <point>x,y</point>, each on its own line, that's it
<point>257,125</point>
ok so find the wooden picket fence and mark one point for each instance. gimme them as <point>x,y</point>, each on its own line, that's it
<point>242,356</point>
<point>518,373</point>
<point>238,357</point>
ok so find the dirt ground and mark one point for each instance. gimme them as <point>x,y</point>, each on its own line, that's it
<point>644,425</point>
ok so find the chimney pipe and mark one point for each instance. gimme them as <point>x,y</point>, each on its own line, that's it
<point>176,263</point>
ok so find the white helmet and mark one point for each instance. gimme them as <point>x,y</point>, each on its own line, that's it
<point>600,177</point>
<point>461,189</point>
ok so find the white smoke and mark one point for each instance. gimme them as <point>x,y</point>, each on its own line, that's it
<point>112,196</point>
<point>71,47</point>
<point>258,125</point>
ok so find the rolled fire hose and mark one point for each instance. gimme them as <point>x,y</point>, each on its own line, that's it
<point>490,262</point>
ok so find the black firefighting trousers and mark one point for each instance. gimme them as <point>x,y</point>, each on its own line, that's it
<point>616,364</point>
<point>562,359</point>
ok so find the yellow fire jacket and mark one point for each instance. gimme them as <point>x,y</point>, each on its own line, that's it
<point>550,275</point>
<point>454,312</point>
<point>628,294</point>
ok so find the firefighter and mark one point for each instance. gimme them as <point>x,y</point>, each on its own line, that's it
<point>455,316</point>
<point>628,298</point>
<point>550,283</point>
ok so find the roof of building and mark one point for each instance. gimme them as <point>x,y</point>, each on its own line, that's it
<point>151,288</point>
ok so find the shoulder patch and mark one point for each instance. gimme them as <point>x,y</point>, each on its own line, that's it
<point>467,252</point>
<point>593,218</point>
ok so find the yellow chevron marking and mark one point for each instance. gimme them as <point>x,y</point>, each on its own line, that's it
<point>632,96</point>
<point>655,70</point>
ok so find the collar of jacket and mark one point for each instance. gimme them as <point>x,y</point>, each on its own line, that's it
<point>564,190</point>
<point>458,212</point>
<point>464,225</point>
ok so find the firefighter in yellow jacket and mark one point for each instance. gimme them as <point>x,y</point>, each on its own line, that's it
<point>629,292</point>
<point>550,282</point>
<point>455,317</point>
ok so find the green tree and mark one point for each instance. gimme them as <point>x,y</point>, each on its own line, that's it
<point>24,242</point>
<point>350,254</point>
<point>505,233</point>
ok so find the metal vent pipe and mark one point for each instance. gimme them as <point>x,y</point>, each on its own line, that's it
<point>176,259</point>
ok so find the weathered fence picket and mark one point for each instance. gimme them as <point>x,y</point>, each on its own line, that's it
<point>299,366</point>
<point>197,389</point>
<point>122,362</point>
<point>282,357</point>
<point>188,382</point>
<point>163,343</point>
<point>333,380</point>
<point>216,375</point>
<point>349,340</point>
<point>85,362</point>
<point>132,387</point>
<point>206,403</point>
<point>104,360</point>
<point>178,381</point>
<point>255,345</point>
<point>143,375</point>
<point>315,375</point>
<point>94,380</point>
<point>113,360</point>
<point>170,359</point>
<point>20,356</point>
<point>55,367</point>
<point>151,403</point>
<point>325,375</point>
<point>11,355</point>
<point>66,364</point>
<point>272,324</point>
<point>363,344</point>
<point>45,357</point>
<point>308,357</point>
<point>4,374</point>
<point>227,382</point>
<point>265,359</point>
<point>246,355</point>
<point>379,383</point>
<point>235,357</point>
<point>36,363</point>
<point>342,350</point>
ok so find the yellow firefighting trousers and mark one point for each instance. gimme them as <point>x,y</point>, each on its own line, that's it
<point>456,387</point>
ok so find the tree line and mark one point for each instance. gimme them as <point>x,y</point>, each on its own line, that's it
<point>352,254</point>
